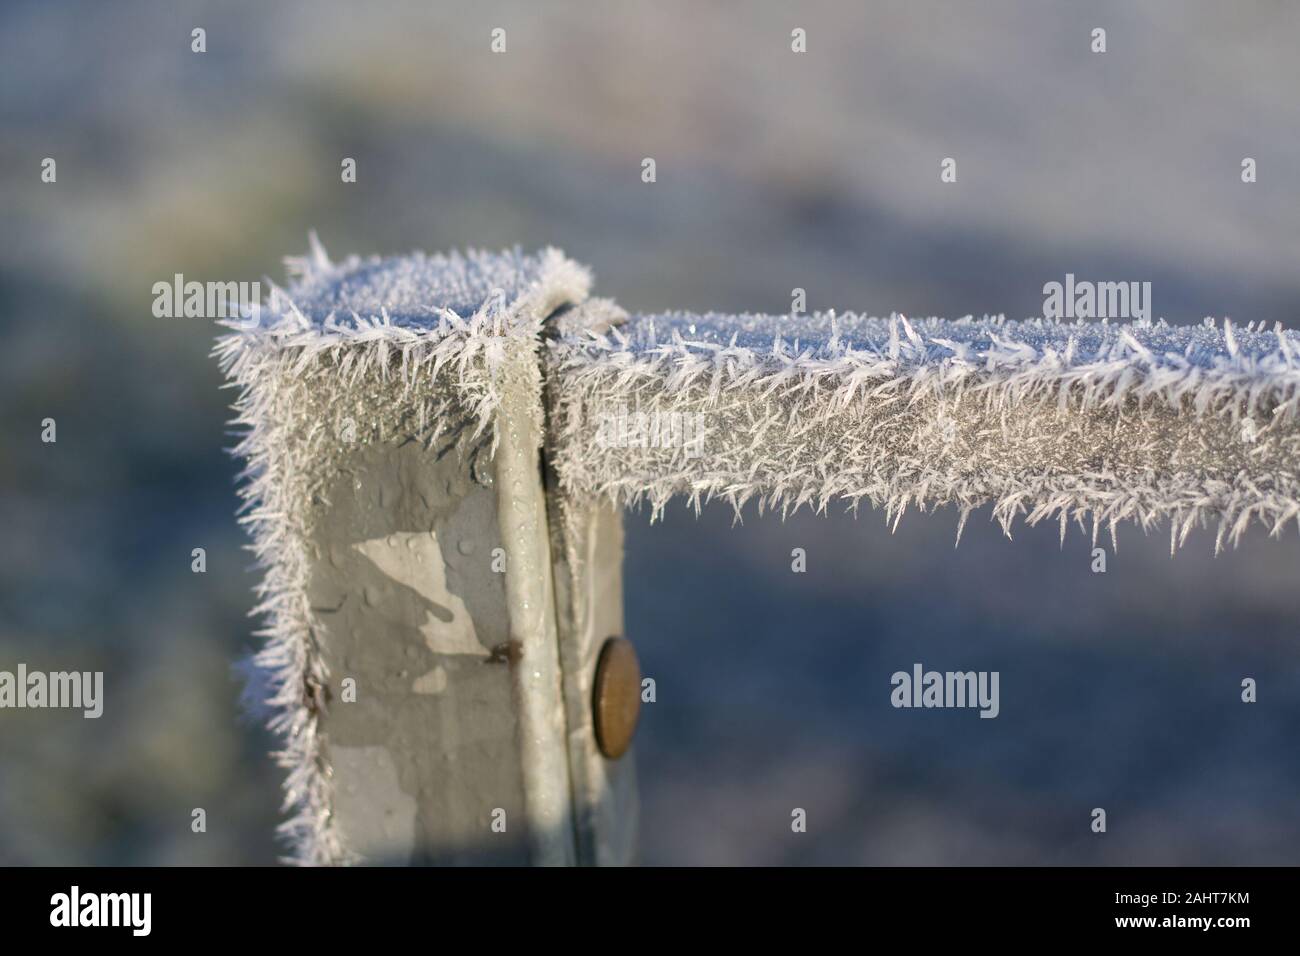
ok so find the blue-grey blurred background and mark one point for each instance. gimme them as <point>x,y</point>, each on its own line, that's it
<point>775,171</point>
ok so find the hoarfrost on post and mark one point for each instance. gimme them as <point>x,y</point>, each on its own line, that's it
<point>378,349</point>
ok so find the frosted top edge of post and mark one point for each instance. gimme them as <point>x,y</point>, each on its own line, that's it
<point>1075,342</point>
<point>418,290</point>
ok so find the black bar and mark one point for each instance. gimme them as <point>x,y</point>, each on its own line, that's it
<point>322,909</point>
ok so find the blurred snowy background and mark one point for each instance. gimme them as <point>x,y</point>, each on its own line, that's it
<point>775,170</point>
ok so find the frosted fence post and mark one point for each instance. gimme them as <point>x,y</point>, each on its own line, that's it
<point>413,647</point>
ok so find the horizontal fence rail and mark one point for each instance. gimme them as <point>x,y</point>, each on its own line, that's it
<point>1079,422</point>
<point>439,448</point>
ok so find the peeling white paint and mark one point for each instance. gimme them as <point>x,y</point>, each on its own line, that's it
<point>434,682</point>
<point>414,559</point>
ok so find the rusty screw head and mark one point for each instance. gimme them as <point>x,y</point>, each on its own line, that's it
<point>616,697</point>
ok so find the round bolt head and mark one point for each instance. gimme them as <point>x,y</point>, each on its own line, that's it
<point>616,697</point>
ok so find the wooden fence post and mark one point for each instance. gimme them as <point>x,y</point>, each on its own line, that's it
<point>434,616</point>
